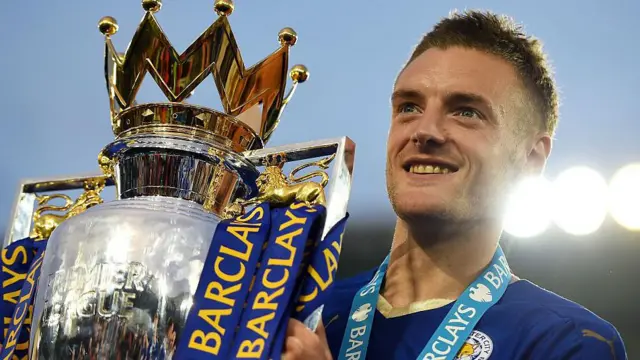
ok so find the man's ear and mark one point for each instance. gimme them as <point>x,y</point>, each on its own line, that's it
<point>538,154</point>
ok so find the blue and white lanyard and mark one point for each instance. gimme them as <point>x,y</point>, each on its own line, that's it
<point>484,292</point>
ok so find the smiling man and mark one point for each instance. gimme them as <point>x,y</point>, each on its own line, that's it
<point>473,112</point>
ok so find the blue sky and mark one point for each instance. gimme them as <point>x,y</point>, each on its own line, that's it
<point>54,104</point>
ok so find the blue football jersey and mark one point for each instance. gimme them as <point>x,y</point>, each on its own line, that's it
<point>527,323</point>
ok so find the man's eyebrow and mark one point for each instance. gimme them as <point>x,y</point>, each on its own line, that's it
<point>458,97</point>
<point>405,94</point>
<point>452,97</point>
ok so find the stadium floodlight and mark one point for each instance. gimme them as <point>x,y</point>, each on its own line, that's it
<point>624,197</point>
<point>527,212</point>
<point>580,200</point>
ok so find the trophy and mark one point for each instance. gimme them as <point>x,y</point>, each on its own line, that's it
<point>190,260</point>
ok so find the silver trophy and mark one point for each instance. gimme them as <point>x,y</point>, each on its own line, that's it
<point>118,277</point>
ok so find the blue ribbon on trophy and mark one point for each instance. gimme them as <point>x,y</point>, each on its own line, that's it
<point>278,279</point>
<point>315,285</point>
<point>224,284</point>
<point>242,323</point>
<point>21,265</point>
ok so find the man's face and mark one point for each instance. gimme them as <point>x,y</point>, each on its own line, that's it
<point>455,143</point>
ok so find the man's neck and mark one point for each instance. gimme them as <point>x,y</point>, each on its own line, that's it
<point>440,265</point>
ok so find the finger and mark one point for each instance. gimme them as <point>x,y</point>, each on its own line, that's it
<point>300,339</point>
<point>291,327</point>
<point>297,328</point>
<point>293,348</point>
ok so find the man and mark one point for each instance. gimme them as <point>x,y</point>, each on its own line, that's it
<point>473,112</point>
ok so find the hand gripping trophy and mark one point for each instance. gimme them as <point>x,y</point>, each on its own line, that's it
<point>209,248</point>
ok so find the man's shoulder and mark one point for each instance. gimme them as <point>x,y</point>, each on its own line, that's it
<point>533,300</point>
<point>562,324</point>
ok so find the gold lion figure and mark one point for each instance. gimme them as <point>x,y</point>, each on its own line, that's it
<point>45,224</point>
<point>278,190</point>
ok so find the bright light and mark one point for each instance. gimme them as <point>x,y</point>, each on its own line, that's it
<point>527,211</point>
<point>624,191</point>
<point>580,197</point>
<point>119,242</point>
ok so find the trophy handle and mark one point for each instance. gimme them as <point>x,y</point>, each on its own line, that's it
<point>24,209</point>
<point>340,150</point>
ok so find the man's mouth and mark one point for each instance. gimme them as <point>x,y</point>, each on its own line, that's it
<point>429,169</point>
<point>426,167</point>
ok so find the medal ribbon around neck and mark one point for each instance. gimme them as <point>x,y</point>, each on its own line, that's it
<point>484,292</point>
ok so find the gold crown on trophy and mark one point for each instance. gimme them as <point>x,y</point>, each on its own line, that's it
<point>176,150</point>
<point>253,98</point>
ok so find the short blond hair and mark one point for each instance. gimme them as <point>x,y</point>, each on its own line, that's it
<point>500,35</point>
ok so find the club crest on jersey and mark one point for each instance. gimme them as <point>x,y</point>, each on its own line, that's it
<point>478,346</point>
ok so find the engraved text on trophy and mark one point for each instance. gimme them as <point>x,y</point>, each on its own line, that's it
<point>101,291</point>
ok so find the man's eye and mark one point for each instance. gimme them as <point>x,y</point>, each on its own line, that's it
<point>467,112</point>
<point>408,108</point>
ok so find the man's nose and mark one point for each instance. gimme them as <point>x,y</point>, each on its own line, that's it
<point>429,130</point>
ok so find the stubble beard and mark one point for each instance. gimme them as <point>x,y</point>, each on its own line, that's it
<point>456,210</point>
<point>479,202</point>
